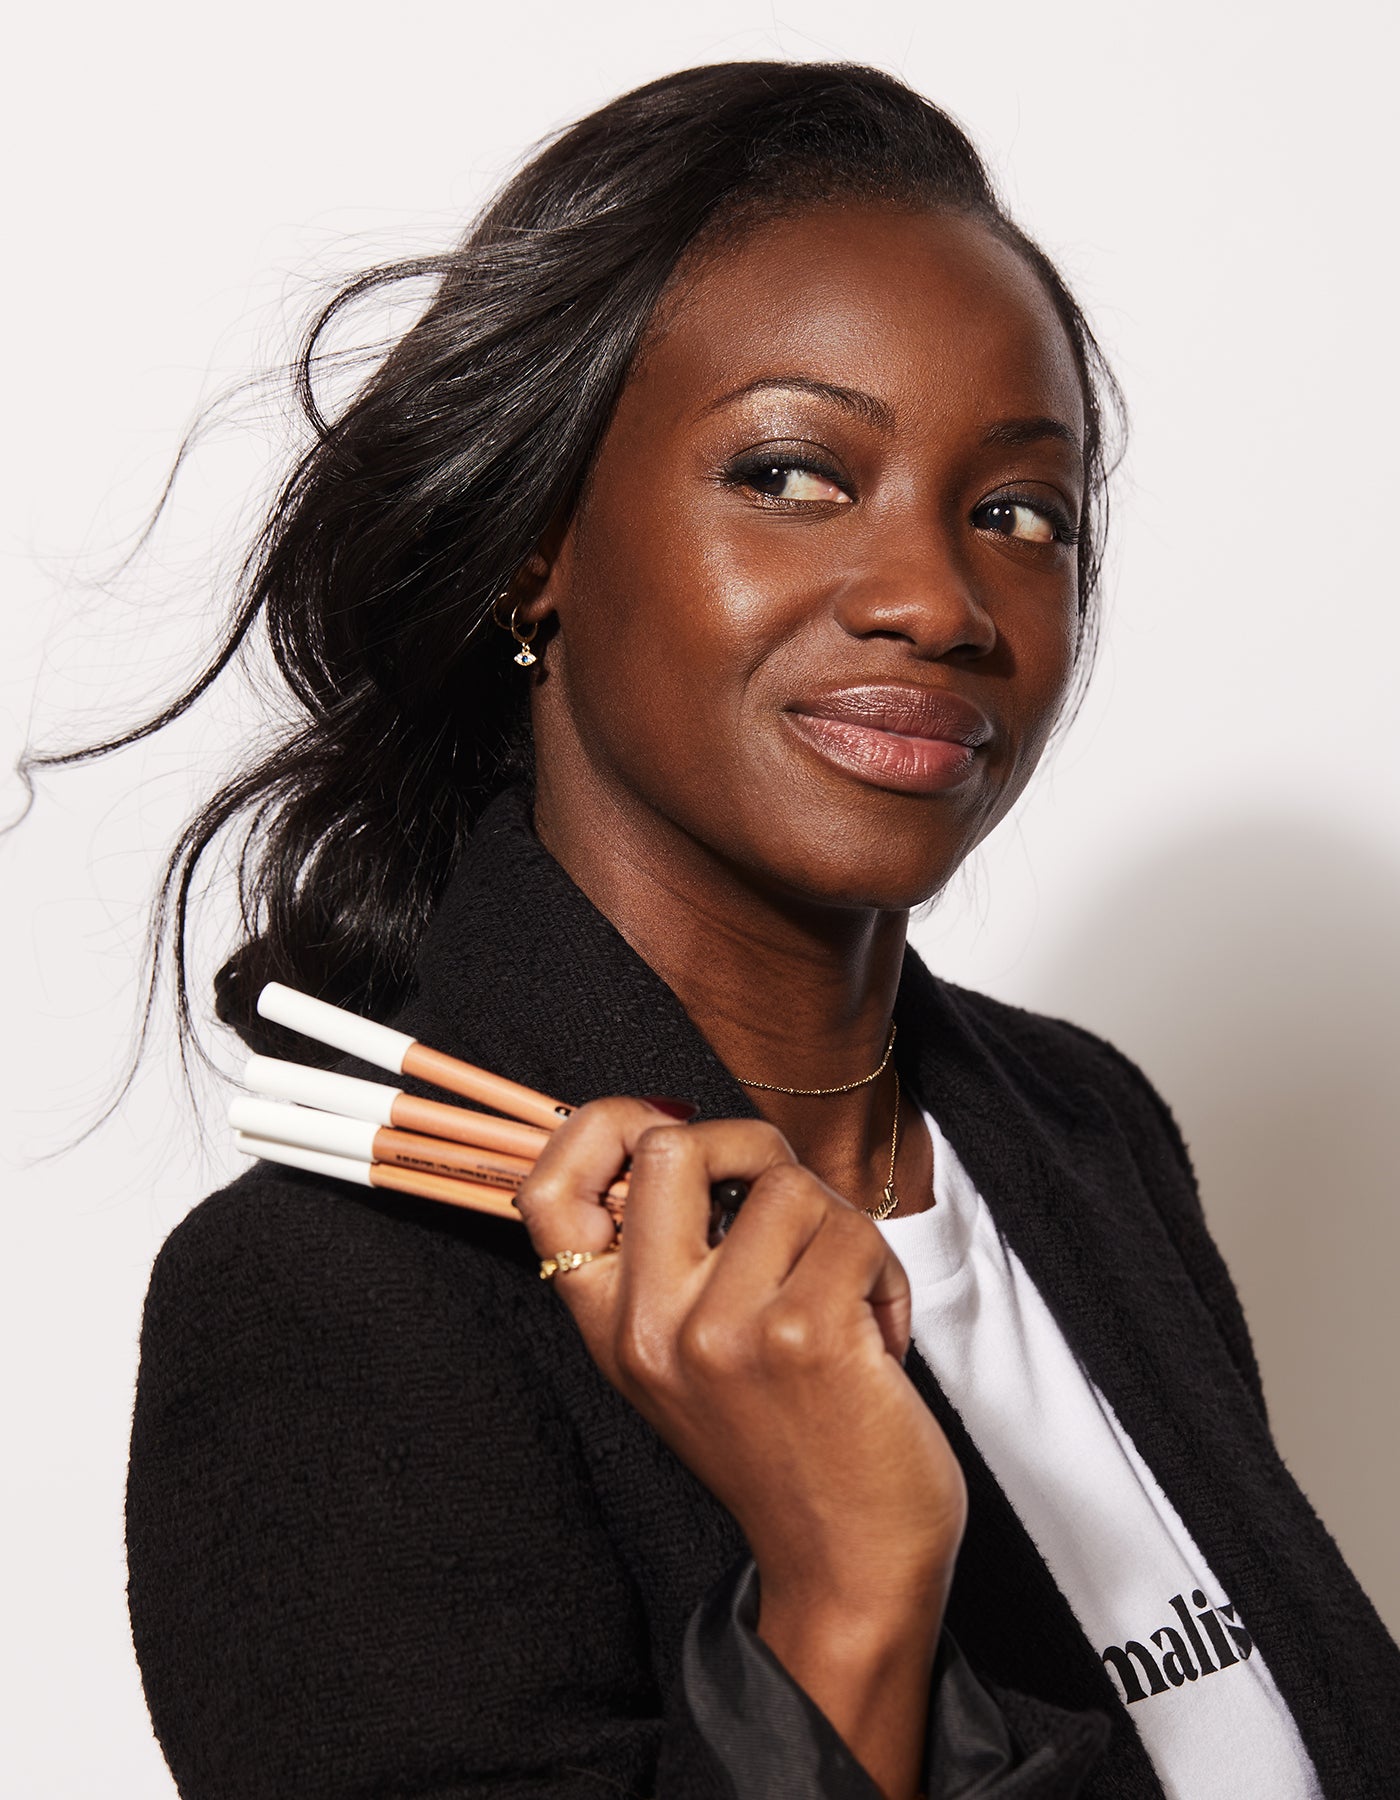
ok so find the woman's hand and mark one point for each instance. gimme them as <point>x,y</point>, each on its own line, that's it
<point>771,1364</point>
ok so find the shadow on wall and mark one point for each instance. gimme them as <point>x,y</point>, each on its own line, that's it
<point>1254,973</point>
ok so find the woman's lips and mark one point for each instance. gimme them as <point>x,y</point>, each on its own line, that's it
<point>909,739</point>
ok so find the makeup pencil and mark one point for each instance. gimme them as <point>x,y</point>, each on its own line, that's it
<point>470,1194</point>
<point>403,1055</point>
<point>364,1140</point>
<point>379,1136</point>
<point>368,1142</point>
<point>355,1098</point>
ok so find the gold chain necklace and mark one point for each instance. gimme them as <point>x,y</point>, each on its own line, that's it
<point>889,1199</point>
<point>848,1087</point>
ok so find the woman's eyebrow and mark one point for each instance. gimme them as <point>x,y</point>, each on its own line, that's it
<point>1005,433</point>
<point>854,400</point>
<point>1012,433</point>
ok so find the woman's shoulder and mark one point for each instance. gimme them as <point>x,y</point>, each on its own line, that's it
<point>298,1328</point>
<point>277,1255</point>
<point>356,1513</point>
<point>269,1215</point>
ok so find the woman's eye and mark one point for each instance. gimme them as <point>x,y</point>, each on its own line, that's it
<point>785,481</point>
<point>1018,519</point>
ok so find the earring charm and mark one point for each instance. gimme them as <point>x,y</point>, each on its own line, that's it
<point>524,656</point>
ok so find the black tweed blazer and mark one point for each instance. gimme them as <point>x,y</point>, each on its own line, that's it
<point>391,1534</point>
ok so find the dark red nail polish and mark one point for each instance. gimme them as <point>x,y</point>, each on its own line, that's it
<point>683,1110</point>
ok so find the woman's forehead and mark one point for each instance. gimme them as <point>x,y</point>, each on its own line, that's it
<point>916,308</point>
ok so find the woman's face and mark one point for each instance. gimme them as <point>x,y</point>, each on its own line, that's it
<point>817,607</point>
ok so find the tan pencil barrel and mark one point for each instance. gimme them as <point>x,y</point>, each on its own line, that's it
<point>471,1195</point>
<point>475,1196</point>
<point>467,1162</point>
<point>483,1087</point>
<point>407,1150</point>
<point>332,1134</point>
<point>433,1118</point>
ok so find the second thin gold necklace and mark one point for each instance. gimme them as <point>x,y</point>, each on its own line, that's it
<point>889,1199</point>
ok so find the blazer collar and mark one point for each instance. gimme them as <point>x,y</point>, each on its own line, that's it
<point>519,971</point>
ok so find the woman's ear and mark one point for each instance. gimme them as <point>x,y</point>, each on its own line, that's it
<point>537,581</point>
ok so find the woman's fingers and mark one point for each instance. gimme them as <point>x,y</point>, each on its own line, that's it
<point>668,1198</point>
<point>564,1191</point>
<point>794,1243</point>
<point>561,1203</point>
<point>785,1206</point>
<point>798,1240</point>
<point>628,1304</point>
<point>761,1360</point>
<point>849,1257</point>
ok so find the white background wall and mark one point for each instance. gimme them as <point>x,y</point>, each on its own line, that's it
<point>1209,873</point>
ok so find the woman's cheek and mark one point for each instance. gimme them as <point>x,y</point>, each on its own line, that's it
<point>1044,664</point>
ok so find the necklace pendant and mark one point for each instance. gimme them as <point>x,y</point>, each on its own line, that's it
<point>888,1202</point>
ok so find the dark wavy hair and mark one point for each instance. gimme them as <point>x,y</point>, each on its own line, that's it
<point>376,569</point>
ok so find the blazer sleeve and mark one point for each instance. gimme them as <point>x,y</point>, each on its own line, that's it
<point>775,1744</point>
<point>365,1556</point>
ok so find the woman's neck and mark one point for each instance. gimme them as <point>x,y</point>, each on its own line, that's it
<point>786,992</point>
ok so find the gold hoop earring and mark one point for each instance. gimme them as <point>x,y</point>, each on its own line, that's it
<point>524,656</point>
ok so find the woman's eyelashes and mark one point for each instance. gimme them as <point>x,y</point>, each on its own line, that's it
<point>1026,519</point>
<point>792,479</point>
<point>789,478</point>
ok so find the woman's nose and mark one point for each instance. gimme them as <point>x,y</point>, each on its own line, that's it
<point>921,592</point>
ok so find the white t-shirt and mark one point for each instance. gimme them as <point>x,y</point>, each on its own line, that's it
<point>1180,1657</point>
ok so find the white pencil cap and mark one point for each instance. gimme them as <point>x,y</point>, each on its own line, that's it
<point>346,1094</point>
<point>299,1125</point>
<point>334,1026</point>
<point>315,1162</point>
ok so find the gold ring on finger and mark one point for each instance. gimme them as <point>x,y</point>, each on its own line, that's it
<point>564,1261</point>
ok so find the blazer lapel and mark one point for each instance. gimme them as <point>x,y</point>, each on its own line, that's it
<point>1068,1194</point>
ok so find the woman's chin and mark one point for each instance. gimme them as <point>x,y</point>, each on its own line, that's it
<point>847,841</point>
<point>839,864</point>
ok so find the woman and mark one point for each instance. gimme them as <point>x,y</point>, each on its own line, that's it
<point>777,450</point>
